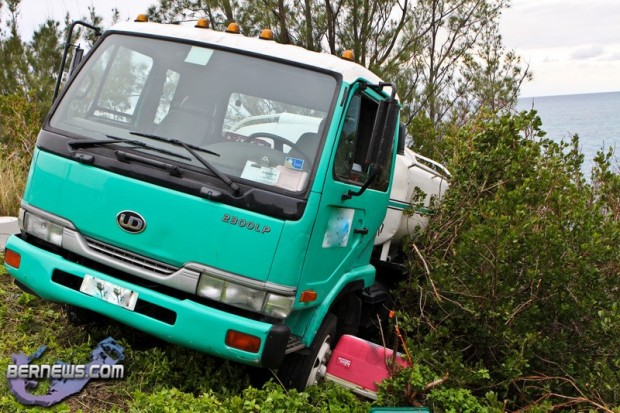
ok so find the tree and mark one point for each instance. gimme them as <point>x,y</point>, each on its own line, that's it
<point>30,68</point>
<point>516,274</point>
<point>490,78</point>
<point>440,53</point>
<point>13,65</point>
<point>450,33</point>
<point>42,57</point>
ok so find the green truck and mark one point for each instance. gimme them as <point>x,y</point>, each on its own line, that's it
<point>230,194</point>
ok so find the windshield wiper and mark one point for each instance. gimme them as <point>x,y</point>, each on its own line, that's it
<point>113,139</point>
<point>174,142</point>
<point>192,149</point>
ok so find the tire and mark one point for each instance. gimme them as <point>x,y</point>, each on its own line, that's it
<point>302,369</point>
<point>379,302</point>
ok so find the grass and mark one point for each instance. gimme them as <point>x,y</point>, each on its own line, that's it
<point>158,376</point>
<point>19,125</point>
<point>28,322</point>
<point>13,172</point>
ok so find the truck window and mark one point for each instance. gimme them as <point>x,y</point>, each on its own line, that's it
<point>205,97</point>
<point>250,115</point>
<point>355,136</point>
<point>165,101</point>
<point>123,86</point>
<point>86,88</point>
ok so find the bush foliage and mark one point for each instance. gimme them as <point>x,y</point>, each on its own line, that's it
<point>511,301</point>
<point>517,274</point>
<point>512,297</point>
<point>19,125</point>
<point>158,377</point>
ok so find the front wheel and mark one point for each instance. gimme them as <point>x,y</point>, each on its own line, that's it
<point>302,370</point>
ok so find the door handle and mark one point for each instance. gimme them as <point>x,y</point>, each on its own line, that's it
<point>362,231</point>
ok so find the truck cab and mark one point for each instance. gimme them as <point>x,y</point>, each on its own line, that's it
<point>217,191</point>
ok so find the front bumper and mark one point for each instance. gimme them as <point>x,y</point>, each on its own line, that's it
<point>180,321</point>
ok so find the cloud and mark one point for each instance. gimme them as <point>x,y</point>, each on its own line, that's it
<point>587,52</point>
<point>613,57</point>
<point>531,24</point>
<point>564,77</point>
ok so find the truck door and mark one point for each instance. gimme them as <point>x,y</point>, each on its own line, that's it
<point>345,229</point>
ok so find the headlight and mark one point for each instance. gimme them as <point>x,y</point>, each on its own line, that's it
<point>278,306</point>
<point>242,296</point>
<point>210,287</point>
<point>43,228</point>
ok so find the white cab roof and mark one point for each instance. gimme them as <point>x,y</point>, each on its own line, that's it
<point>350,71</point>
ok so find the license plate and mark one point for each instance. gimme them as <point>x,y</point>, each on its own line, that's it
<point>109,292</point>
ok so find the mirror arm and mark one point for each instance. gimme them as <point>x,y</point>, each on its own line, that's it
<point>66,51</point>
<point>381,85</point>
<point>350,194</point>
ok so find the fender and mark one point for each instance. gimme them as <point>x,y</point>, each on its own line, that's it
<point>358,277</point>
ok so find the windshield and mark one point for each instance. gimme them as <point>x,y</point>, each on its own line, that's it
<point>262,120</point>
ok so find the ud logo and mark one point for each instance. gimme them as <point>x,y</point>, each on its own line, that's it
<point>131,222</point>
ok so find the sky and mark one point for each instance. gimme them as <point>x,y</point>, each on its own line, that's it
<point>571,46</point>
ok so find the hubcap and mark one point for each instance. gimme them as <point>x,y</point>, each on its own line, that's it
<point>320,363</point>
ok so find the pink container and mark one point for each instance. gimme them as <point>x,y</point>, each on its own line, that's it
<point>359,365</point>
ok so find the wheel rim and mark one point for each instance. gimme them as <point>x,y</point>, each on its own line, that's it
<point>317,371</point>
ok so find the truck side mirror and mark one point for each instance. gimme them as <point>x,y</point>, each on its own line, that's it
<point>379,149</point>
<point>402,138</point>
<point>380,145</point>
<point>78,54</point>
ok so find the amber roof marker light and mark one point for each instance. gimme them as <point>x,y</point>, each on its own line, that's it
<point>266,34</point>
<point>348,55</point>
<point>202,23</point>
<point>233,27</point>
<point>142,18</point>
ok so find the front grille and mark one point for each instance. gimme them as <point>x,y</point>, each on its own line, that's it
<point>130,258</point>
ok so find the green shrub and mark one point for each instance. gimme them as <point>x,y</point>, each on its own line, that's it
<point>520,305</point>
<point>19,126</point>
<point>173,400</point>
<point>271,398</point>
<point>524,265</point>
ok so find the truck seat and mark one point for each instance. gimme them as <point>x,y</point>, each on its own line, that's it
<point>187,122</point>
<point>308,143</point>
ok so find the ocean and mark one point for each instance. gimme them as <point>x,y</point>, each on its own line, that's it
<point>595,117</point>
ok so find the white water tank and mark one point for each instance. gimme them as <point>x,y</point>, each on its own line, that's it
<point>402,217</point>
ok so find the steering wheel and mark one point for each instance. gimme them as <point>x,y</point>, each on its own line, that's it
<point>279,142</point>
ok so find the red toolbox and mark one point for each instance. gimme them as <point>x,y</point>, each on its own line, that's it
<point>359,365</point>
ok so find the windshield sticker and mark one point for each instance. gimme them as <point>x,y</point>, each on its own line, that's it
<point>294,163</point>
<point>199,56</point>
<point>262,174</point>
<point>291,179</point>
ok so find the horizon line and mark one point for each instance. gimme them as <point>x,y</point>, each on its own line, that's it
<point>567,94</point>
